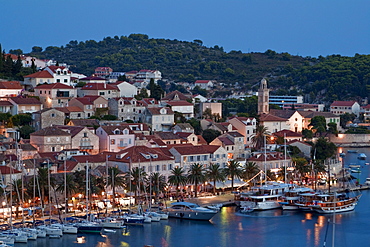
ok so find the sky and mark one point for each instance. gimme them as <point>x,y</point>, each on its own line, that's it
<point>299,27</point>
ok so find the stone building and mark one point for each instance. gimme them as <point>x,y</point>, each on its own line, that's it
<point>50,139</point>
<point>47,117</point>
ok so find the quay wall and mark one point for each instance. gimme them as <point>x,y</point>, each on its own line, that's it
<point>351,140</point>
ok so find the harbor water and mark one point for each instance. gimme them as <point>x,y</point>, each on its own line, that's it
<point>230,228</point>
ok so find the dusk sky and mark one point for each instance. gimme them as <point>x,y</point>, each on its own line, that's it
<point>299,27</point>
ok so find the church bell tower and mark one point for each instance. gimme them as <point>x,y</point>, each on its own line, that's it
<point>263,98</point>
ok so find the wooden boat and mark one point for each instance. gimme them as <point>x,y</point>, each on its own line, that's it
<point>335,203</point>
<point>292,197</point>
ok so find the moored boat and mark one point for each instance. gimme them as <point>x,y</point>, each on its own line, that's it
<point>191,211</point>
<point>264,197</point>
<point>292,197</point>
<point>361,156</point>
<point>328,204</point>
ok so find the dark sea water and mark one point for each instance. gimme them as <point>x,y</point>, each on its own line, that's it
<point>230,228</point>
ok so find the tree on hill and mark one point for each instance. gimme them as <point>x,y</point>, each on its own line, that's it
<point>210,134</point>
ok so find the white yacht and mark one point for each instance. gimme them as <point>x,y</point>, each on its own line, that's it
<point>264,197</point>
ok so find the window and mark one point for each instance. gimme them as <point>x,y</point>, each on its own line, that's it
<point>157,168</point>
<point>113,141</point>
<point>52,115</point>
<point>170,166</point>
<point>58,80</point>
<point>101,93</point>
<point>53,149</point>
<point>65,80</point>
<point>164,167</point>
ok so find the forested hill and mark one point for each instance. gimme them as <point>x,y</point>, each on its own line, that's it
<point>320,79</point>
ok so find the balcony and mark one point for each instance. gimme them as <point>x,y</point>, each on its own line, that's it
<point>86,147</point>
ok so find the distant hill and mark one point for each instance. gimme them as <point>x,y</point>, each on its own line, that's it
<point>320,79</point>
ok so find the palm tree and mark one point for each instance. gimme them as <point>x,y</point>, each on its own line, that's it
<point>215,174</point>
<point>196,175</point>
<point>158,183</point>
<point>137,177</point>
<point>302,166</point>
<point>249,170</point>
<point>233,171</point>
<point>42,180</point>
<point>79,178</point>
<point>69,185</point>
<point>177,178</point>
<point>258,140</point>
<point>115,181</point>
<point>16,192</point>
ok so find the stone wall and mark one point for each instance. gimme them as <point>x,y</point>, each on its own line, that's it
<point>351,139</point>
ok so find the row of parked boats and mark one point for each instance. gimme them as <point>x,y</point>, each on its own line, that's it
<point>290,197</point>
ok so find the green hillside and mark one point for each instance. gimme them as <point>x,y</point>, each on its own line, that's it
<point>320,80</point>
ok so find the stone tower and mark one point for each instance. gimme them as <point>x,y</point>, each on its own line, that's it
<point>263,97</point>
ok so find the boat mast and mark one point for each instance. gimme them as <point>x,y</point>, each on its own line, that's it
<point>87,191</point>
<point>65,188</point>
<point>49,191</point>
<point>285,158</point>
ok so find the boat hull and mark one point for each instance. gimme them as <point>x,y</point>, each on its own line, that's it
<point>191,215</point>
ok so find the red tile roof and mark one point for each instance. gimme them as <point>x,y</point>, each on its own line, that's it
<point>10,85</point>
<point>25,101</point>
<point>69,109</point>
<point>343,103</point>
<point>156,110</point>
<point>271,118</point>
<point>137,154</point>
<point>57,85</point>
<point>40,74</point>
<point>288,133</point>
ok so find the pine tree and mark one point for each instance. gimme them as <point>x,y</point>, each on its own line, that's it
<point>17,66</point>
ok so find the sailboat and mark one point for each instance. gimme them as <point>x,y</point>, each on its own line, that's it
<point>88,226</point>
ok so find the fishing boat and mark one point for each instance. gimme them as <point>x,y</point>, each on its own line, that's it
<point>264,197</point>
<point>352,151</point>
<point>190,211</point>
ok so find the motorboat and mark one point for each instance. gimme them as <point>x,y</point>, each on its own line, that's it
<point>89,227</point>
<point>216,207</point>
<point>245,210</point>
<point>19,236</point>
<point>51,230</point>
<point>135,219</point>
<point>361,156</point>
<point>8,240</point>
<point>356,170</point>
<point>264,197</point>
<point>163,215</point>
<point>352,151</point>
<point>154,216</point>
<point>191,211</point>
<point>292,197</point>
<point>66,228</point>
<point>111,223</point>
<point>367,182</point>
